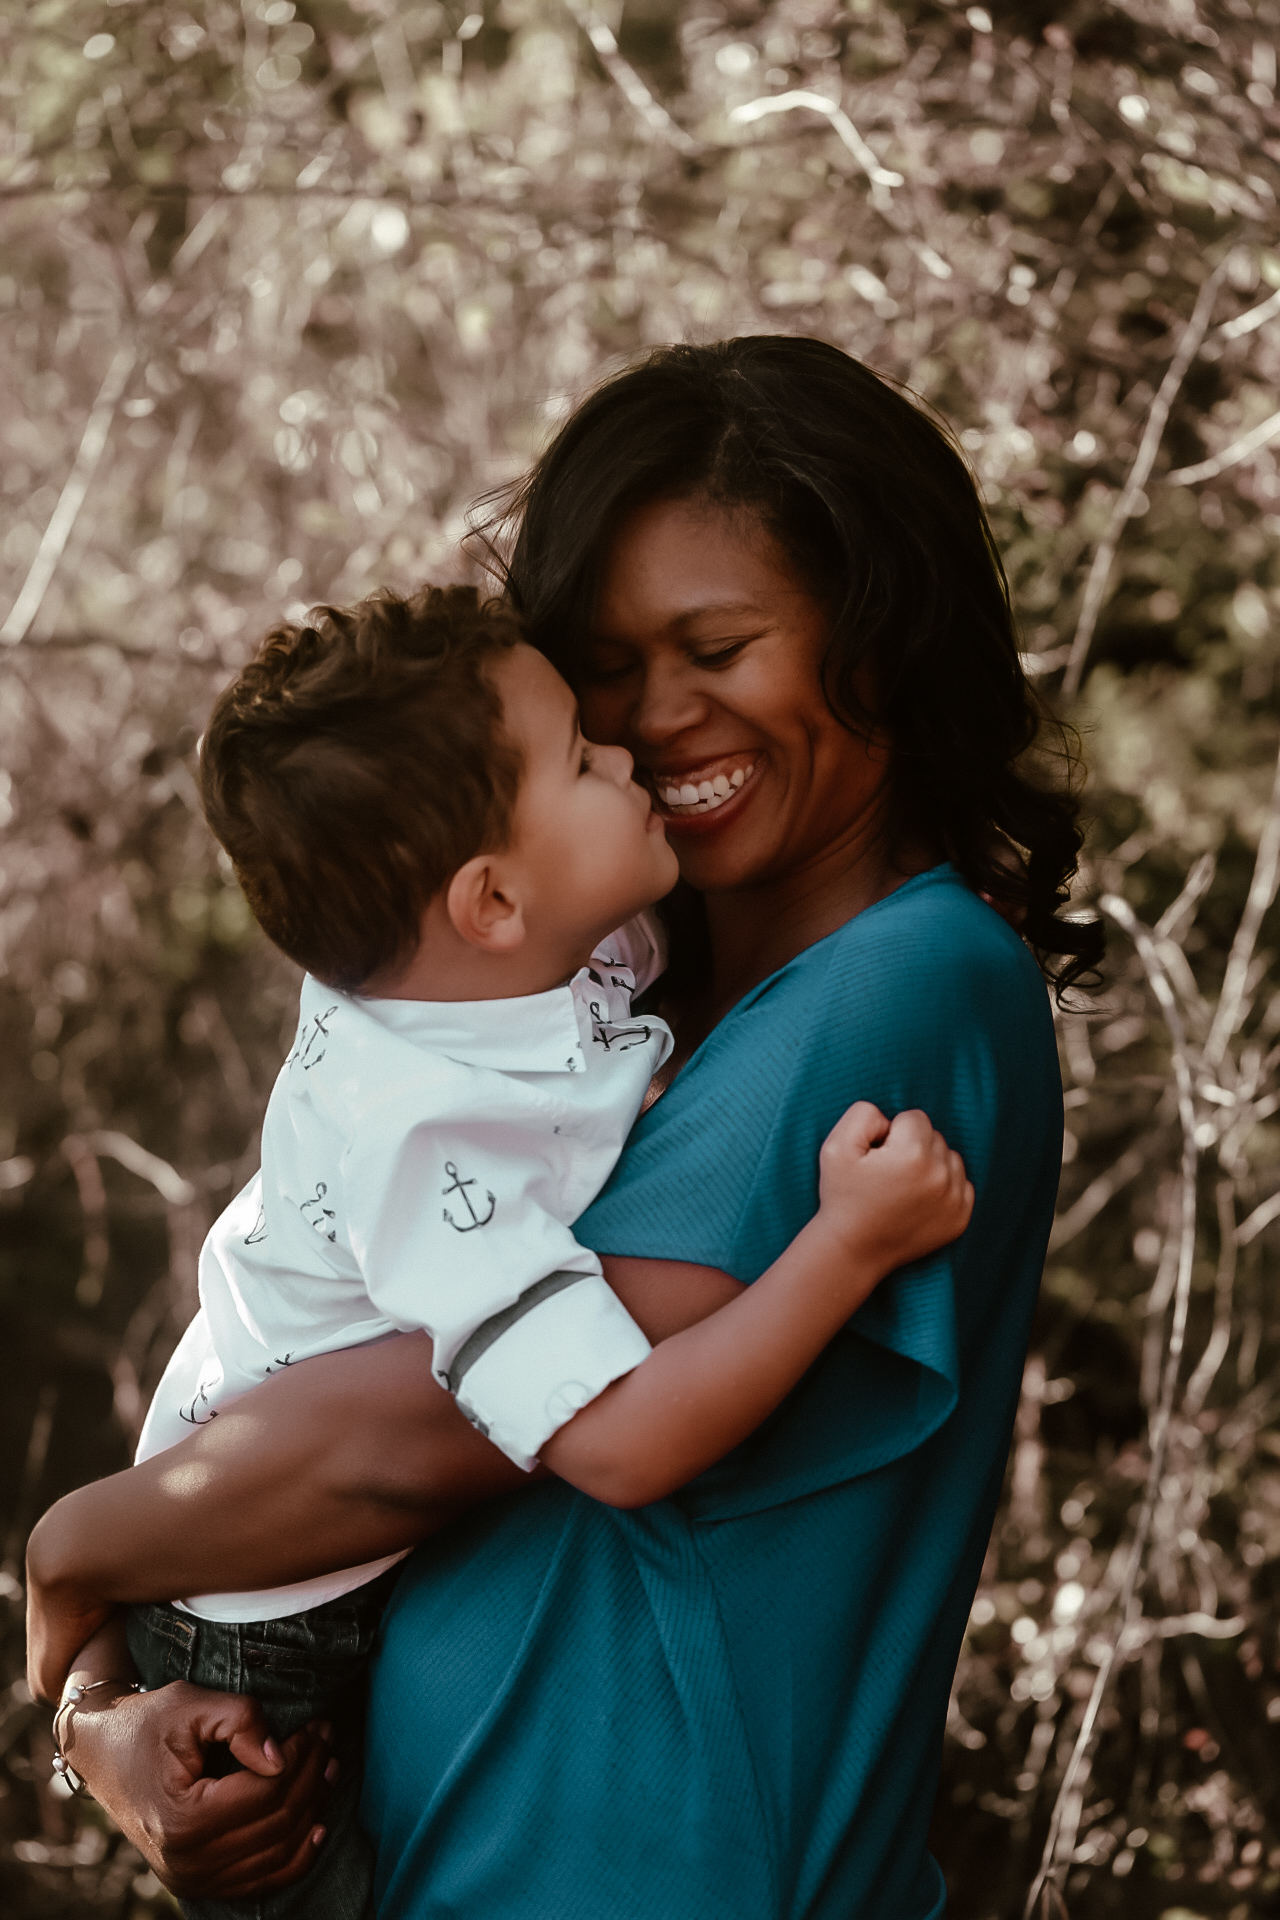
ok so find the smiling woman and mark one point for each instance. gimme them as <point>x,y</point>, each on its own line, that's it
<point>769,581</point>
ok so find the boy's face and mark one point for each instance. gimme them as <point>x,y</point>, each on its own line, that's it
<point>587,841</point>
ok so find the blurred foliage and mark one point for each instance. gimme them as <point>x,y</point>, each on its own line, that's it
<point>283,288</point>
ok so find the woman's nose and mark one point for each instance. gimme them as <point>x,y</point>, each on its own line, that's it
<point>669,703</point>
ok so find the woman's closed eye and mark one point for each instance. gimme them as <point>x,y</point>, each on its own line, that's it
<point>721,656</point>
<point>602,668</point>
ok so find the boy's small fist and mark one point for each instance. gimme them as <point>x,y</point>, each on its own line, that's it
<point>894,1189</point>
<point>855,1133</point>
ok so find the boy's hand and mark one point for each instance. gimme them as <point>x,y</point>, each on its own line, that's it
<point>891,1191</point>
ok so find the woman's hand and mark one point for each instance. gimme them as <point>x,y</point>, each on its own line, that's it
<point>142,1756</point>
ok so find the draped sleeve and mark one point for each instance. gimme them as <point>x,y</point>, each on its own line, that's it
<point>926,1000</point>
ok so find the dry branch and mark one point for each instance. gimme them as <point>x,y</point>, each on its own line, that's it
<point>63,518</point>
<point>649,111</point>
<point>1064,1820</point>
<point>1242,449</point>
<point>1262,891</point>
<point>1139,473</point>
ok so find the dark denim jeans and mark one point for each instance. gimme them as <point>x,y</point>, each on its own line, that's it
<point>307,1666</point>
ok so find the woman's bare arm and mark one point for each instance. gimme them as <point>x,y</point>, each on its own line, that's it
<point>328,1464</point>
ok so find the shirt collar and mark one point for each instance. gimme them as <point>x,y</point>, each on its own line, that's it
<point>536,1033</point>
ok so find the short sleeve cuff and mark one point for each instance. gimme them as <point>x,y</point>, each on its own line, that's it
<point>548,1363</point>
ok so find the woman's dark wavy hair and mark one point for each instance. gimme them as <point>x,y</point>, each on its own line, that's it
<point>879,514</point>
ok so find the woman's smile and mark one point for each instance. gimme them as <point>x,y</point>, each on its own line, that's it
<point>688,794</point>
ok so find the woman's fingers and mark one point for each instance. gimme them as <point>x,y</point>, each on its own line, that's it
<point>266,1856</point>
<point>144,1758</point>
<point>278,1869</point>
<point>236,1721</point>
<point>247,1833</point>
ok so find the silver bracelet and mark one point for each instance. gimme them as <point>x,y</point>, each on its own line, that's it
<point>70,1700</point>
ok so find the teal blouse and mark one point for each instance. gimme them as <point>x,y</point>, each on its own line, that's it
<point>730,1704</point>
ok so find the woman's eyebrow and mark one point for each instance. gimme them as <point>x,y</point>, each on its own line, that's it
<point>701,612</point>
<point>676,622</point>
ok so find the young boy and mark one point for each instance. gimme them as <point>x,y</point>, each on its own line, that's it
<point>416,819</point>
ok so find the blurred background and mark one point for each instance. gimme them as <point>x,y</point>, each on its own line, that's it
<point>284,288</point>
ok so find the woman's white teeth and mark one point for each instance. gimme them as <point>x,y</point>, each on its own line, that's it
<point>708,794</point>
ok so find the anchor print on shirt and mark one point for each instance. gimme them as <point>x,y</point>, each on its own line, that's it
<point>606,1032</point>
<point>460,1187</point>
<point>317,1215</point>
<point>258,1231</point>
<point>280,1361</point>
<point>624,979</point>
<point>609,1034</point>
<point>305,1046</point>
<point>199,1413</point>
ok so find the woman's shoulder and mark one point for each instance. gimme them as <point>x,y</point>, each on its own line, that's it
<point>931,949</point>
<point>937,907</point>
<point>929,987</point>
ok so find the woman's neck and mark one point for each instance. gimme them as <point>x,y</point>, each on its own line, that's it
<point>753,931</point>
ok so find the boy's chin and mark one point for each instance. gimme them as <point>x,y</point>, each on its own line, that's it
<point>666,871</point>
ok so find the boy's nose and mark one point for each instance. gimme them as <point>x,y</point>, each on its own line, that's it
<point>621,764</point>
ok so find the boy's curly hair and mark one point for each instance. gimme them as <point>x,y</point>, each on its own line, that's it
<point>355,764</point>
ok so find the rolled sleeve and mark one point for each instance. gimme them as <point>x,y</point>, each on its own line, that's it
<point>529,1369</point>
<point>525,1330</point>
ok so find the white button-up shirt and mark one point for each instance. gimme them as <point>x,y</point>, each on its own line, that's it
<point>422,1163</point>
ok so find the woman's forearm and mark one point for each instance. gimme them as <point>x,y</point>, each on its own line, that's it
<point>333,1462</point>
<point>328,1464</point>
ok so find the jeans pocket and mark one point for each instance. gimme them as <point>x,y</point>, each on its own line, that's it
<point>337,1636</point>
<point>161,1641</point>
<point>310,1665</point>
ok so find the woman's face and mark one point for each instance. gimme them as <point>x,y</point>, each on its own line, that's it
<point>705,663</point>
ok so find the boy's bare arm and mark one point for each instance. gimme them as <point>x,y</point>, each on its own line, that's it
<point>328,1464</point>
<point>889,1193</point>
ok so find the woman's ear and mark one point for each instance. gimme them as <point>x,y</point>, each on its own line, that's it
<point>482,911</point>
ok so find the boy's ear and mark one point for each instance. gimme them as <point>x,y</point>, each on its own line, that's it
<point>483,914</point>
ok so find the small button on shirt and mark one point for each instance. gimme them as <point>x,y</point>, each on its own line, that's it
<point>422,1163</point>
